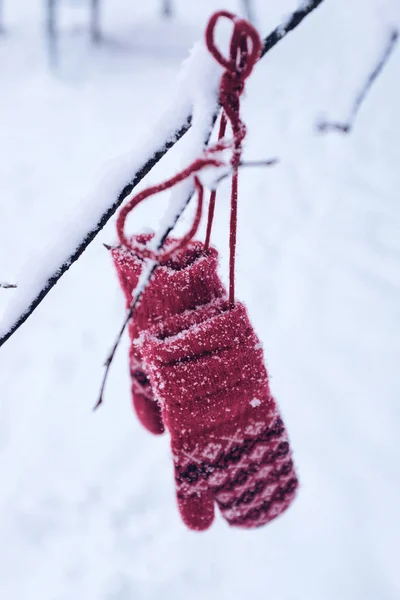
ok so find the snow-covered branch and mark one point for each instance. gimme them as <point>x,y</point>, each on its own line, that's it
<point>305,8</point>
<point>347,126</point>
<point>174,123</point>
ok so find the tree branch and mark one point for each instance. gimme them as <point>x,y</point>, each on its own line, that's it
<point>347,126</point>
<point>291,23</point>
<point>270,41</point>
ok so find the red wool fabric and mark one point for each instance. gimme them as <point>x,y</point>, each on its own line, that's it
<point>187,280</point>
<point>228,440</point>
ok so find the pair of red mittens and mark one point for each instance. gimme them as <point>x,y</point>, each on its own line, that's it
<point>197,368</point>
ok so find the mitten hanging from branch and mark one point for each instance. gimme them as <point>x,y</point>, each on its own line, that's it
<point>205,365</point>
<point>186,281</point>
<point>228,440</point>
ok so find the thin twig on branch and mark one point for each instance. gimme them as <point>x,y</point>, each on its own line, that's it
<point>7,286</point>
<point>347,126</point>
<point>270,41</point>
<point>248,10</point>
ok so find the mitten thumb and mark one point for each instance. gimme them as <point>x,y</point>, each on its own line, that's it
<point>148,412</point>
<point>196,506</point>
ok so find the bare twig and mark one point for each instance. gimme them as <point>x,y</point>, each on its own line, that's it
<point>347,126</point>
<point>247,163</point>
<point>137,295</point>
<point>278,34</point>
<point>7,286</point>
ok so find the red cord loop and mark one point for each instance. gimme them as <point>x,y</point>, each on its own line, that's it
<point>245,49</point>
<point>162,256</point>
<point>244,38</point>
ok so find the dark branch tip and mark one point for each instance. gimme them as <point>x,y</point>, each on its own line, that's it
<point>325,126</point>
<point>8,286</point>
<point>98,403</point>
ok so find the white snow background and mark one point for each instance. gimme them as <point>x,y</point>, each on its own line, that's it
<point>87,506</point>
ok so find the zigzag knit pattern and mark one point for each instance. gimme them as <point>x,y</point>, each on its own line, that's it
<point>228,440</point>
<point>188,280</point>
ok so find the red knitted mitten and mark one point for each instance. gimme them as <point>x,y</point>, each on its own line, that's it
<point>228,440</point>
<point>189,279</point>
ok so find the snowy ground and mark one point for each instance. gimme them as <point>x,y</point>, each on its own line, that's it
<point>87,509</point>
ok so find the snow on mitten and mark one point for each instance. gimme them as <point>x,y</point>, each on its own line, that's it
<point>228,440</point>
<point>187,280</point>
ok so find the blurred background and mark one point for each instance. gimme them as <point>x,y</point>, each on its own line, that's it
<point>87,506</point>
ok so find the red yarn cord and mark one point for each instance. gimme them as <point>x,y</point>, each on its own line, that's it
<point>245,49</point>
<point>213,195</point>
<point>162,256</point>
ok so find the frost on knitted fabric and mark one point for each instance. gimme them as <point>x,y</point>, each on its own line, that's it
<point>187,280</point>
<point>228,440</point>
